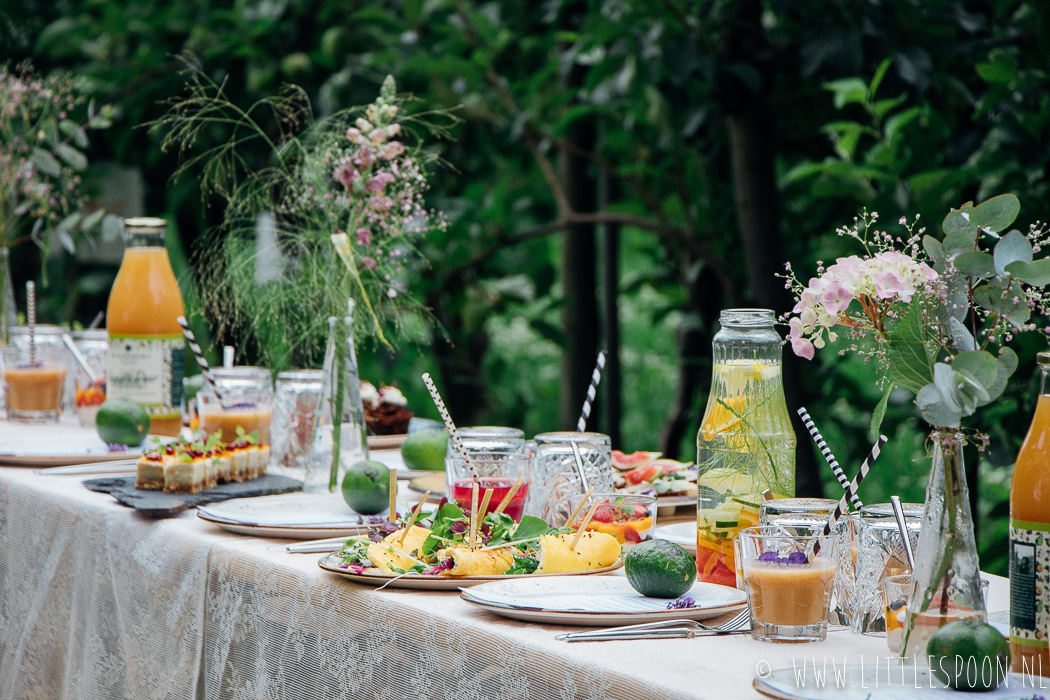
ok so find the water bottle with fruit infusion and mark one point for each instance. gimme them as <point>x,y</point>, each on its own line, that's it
<point>745,444</point>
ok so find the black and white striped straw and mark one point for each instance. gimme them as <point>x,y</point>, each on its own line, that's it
<point>851,488</point>
<point>829,457</point>
<point>592,391</point>
<point>453,434</point>
<point>31,320</point>
<point>195,348</point>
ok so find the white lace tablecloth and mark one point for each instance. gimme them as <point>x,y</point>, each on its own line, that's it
<point>98,602</point>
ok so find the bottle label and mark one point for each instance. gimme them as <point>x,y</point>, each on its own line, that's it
<point>1029,583</point>
<point>148,371</point>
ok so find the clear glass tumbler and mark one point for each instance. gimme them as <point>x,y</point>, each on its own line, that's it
<point>246,403</point>
<point>296,398</point>
<point>492,438</point>
<point>90,395</point>
<point>33,390</point>
<point>895,592</point>
<point>816,512</point>
<point>555,476</point>
<point>789,574</point>
<point>498,472</point>
<point>880,553</point>
<point>49,338</point>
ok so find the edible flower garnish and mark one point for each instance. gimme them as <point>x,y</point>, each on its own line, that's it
<point>682,603</point>
<point>793,559</point>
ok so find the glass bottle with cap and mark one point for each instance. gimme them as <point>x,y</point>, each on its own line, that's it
<point>1030,540</point>
<point>745,444</point>
<point>145,358</point>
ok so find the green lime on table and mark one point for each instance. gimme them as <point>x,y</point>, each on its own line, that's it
<point>969,655</point>
<point>366,487</point>
<point>425,449</point>
<point>122,422</point>
<point>659,569</point>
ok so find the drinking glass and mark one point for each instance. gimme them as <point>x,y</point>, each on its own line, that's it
<point>555,473</point>
<point>498,471</point>
<point>88,395</point>
<point>51,337</point>
<point>789,574</point>
<point>880,553</point>
<point>33,392</point>
<point>491,438</point>
<point>895,592</point>
<point>247,403</point>
<point>816,512</point>
<point>296,397</point>
<point>630,518</point>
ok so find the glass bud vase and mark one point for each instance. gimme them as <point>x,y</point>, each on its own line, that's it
<point>946,581</point>
<point>339,437</point>
<point>8,310</point>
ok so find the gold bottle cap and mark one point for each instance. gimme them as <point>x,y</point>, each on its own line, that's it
<point>1043,358</point>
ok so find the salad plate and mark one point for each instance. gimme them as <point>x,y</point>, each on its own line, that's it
<point>682,534</point>
<point>598,602</point>
<point>292,516</point>
<point>332,563</point>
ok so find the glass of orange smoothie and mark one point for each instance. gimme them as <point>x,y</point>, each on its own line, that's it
<point>246,402</point>
<point>789,574</point>
<point>33,391</point>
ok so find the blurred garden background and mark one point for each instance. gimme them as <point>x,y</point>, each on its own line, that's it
<point>623,170</point>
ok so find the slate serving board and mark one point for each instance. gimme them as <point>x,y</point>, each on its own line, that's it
<point>157,504</point>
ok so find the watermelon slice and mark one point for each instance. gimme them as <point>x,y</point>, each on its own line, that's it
<point>669,466</point>
<point>626,462</point>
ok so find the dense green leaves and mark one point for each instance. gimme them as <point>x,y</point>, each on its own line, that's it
<point>910,362</point>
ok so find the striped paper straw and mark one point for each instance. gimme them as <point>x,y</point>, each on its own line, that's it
<point>195,348</point>
<point>828,456</point>
<point>592,391</point>
<point>841,506</point>
<point>31,320</point>
<point>453,434</point>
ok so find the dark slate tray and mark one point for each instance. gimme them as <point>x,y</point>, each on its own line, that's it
<point>158,504</point>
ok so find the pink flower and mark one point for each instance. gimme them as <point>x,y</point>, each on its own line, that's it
<point>377,136</point>
<point>379,182</point>
<point>364,236</point>
<point>380,203</point>
<point>365,157</point>
<point>345,175</point>
<point>392,150</point>
<point>368,262</point>
<point>803,348</point>
<point>889,285</point>
<point>355,136</point>
<point>836,298</point>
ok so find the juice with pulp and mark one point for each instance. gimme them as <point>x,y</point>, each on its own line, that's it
<point>789,595</point>
<point>145,358</point>
<point>34,388</point>
<point>1030,541</point>
<point>462,490</point>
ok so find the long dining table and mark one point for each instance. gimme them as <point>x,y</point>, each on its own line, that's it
<point>99,602</point>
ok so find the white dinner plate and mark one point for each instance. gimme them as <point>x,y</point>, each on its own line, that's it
<point>330,562</point>
<point>597,602</point>
<point>683,534</point>
<point>54,445</point>
<point>293,516</point>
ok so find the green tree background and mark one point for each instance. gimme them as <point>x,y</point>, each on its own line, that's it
<point>626,168</point>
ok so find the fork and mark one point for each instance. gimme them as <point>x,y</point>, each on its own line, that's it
<point>665,629</point>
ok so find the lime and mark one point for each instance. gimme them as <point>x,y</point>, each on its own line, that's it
<point>366,487</point>
<point>122,422</point>
<point>969,655</point>
<point>659,569</point>
<point>425,449</point>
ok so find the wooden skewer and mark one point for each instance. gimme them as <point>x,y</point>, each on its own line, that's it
<point>412,520</point>
<point>583,525</point>
<point>767,495</point>
<point>510,494</point>
<point>579,507</point>
<point>473,514</point>
<point>486,497</point>
<point>393,495</point>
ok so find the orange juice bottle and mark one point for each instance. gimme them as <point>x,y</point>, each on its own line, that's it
<point>145,358</point>
<point>1030,541</point>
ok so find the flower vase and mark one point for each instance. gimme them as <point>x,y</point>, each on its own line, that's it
<point>8,309</point>
<point>339,437</point>
<point>946,580</point>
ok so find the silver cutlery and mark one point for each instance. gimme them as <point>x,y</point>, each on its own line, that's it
<point>665,629</point>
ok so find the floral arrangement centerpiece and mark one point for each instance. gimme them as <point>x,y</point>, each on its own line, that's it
<point>319,213</point>
<point>936,315</point>
<point>42,137</point>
